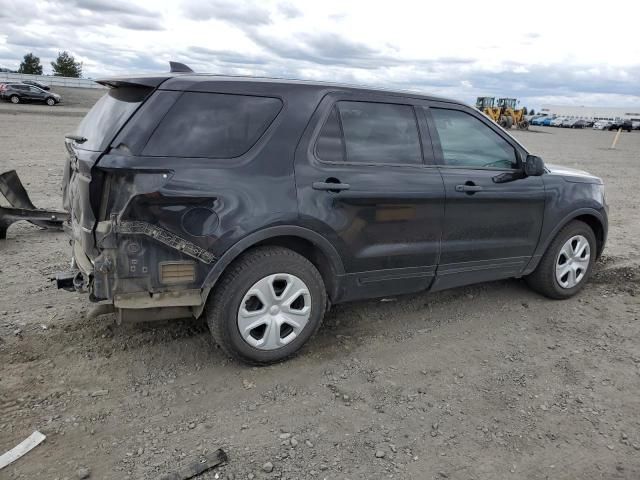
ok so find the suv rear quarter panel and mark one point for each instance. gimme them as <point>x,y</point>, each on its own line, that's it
<point>233,197</point>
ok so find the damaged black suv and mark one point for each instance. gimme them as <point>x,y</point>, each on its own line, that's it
<point>261,202</point>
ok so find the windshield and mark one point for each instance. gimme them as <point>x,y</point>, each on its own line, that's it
<point>108,115</point>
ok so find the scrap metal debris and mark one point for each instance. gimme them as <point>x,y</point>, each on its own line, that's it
<point>35,439</point>
<point>197,468</point>
<point>22,208</point>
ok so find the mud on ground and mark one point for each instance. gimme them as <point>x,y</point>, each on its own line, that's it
<point>484,382</point>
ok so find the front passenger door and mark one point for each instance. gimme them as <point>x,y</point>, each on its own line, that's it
<point>36,94</point>
<point>490,229</point>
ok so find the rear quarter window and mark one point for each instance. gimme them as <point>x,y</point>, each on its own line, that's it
<point>108,115</point>
<point>212,125</point>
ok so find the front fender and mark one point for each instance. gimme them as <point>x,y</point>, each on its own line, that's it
<point>600,216</point>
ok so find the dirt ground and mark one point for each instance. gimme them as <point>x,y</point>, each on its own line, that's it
<point>485,382</point>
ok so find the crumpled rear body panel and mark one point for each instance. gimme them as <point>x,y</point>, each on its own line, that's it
<point>139,223</point>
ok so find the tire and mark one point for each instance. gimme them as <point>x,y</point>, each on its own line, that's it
<point>544,279</point>
<point>14,99</point>
<point>50,101</point>
<point>270,268</point>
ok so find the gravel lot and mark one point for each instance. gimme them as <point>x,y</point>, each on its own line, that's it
<point>486,382</point>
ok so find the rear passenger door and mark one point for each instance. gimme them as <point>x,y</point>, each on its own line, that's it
<point>491,228</point>
<point>24,91</point>
<point>366,181</point>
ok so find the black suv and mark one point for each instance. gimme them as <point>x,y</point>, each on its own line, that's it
<point>621,124</point>
<point>260,202</point>
<point>21,92</point>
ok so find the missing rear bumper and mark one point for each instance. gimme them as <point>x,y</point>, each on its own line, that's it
<point>22,208</point>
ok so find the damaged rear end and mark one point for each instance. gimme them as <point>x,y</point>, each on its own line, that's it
<point>136,241</point>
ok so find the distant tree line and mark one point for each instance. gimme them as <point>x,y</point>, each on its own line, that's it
<point>65,65</point>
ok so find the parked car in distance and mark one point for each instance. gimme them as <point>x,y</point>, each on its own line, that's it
<point>20,92</point>
<point>581,123</point>
<point>601,124</point>
<point>557,122</point>
<point>567,122</point>
<point>259,203</point>
<point>36,84</point>
<point>547,121</point>
<point>538,120</point>
<point>635,124</point>
<point>625,125</point>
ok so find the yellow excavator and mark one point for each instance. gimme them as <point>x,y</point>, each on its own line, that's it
<point>504,112</point>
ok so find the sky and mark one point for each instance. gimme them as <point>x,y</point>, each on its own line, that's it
<point>541,52</point>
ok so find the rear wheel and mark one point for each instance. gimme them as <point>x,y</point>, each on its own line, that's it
<point>14,99</point>
<point>266,306</point>
<point>567,263</point>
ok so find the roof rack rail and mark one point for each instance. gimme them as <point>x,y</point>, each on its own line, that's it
<point>177,67</point>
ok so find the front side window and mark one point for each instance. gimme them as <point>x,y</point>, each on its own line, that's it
<point>468,142</point>
<point>366,132</point>
<point>212,125</point>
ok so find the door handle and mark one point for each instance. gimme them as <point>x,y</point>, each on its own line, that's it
<point>331,186</point>
<point>469,187</point>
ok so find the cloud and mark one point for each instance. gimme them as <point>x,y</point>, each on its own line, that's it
<point>289,10</point>
<point>25,39</point>
<point>47,20</point>
<point>110,6</point>
<point>138,23</point>
<point>355,42</point>
<point>226,57</point>
<point>323,48</point>
<point>235,12</point>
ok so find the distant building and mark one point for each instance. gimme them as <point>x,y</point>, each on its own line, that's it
<point>592,113</point>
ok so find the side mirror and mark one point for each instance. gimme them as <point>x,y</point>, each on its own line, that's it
<point>533,166</point>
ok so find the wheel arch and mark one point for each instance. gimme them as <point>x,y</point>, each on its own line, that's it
<point>596,221</point>
<point>313,246</point>
<point>596,224</point>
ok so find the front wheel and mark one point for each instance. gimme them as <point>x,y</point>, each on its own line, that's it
<point>567,263</point>
<point>266,306</point>
<point>51,102</point>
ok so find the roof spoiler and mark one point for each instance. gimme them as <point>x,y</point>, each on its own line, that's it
<point>152,80</point>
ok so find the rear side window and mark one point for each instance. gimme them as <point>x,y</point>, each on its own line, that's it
<point>108,115</point>
<point>366,132</point>
<point>212,125</point>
